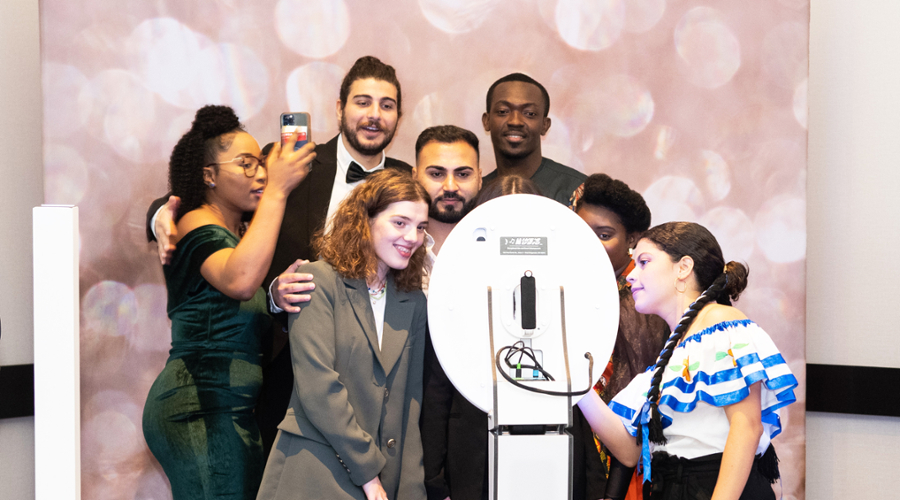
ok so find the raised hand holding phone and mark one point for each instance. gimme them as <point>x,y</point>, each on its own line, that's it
<point>287,166</point>
<point>295,123</point>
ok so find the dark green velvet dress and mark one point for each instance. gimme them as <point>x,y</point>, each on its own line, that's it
<point>198,419</point>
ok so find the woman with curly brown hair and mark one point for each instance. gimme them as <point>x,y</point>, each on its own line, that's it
<point>352,427</point>
<point>198,419</point>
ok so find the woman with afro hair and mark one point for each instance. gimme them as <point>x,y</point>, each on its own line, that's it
<point>618,215</point>
<point>198,419</point>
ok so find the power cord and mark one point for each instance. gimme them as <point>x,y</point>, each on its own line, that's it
<point>523,351</point>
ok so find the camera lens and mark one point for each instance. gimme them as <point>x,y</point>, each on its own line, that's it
<point>287,120</point>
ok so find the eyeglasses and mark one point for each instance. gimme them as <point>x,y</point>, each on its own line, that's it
<point>249,163</point>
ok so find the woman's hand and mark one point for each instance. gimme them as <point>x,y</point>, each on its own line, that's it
<point>287,168</point>
<point>609,428</point>
<point>374,490</point>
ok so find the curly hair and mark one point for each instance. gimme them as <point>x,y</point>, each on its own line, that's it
<point>212,132</point>
<point>602,190</point>
<point>346,244</point>
<point>720,282</point>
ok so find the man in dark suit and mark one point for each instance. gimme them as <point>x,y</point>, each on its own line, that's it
<point>368,110</point>
<point>454,431</point>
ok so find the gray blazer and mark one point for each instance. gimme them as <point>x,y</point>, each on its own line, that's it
<point>354,411</point>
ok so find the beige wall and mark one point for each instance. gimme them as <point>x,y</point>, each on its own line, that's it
<point>21,188</point>
<point>854,234</point>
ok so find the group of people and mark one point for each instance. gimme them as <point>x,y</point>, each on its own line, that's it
<point>326,369</point>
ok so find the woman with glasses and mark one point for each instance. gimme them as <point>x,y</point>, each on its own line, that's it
<point>198,419</point>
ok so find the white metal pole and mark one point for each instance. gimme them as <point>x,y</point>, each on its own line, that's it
<point>57,398</point>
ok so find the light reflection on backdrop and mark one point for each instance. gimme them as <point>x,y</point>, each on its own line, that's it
<point>71,114</point>
<point>700,106</point>
<point>304,88</point>
<point>718,175</point>
<point>590,24</point>
<point>642,15</point>
<point>674,198</point>
<point>316,28</point>
<point>709,51</point>
<point>734,230</point>
<point>66,174</point>
<point>459,16</point>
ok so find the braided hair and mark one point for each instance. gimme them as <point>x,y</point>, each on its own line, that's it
<point>721,283</point>
<point>210,133</point>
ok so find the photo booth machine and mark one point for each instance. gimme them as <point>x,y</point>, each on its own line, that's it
<point>523,310</point>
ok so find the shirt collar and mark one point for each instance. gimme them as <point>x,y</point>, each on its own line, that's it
<point>429,242</point>
<point>344,158</point>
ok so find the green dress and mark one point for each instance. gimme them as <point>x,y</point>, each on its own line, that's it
<point>198,419</point>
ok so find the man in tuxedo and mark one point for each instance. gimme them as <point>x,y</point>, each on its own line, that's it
<point>368,110</point>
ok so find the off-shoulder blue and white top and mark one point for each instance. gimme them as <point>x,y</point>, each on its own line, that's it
<point>709,370</point>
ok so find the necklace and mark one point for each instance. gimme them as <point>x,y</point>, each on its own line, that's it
<point>377,294</point>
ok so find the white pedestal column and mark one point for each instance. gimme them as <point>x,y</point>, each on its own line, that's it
<point>57,400</point>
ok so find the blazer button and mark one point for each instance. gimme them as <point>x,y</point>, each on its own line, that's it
<point>386,392</point>
<point>391,443</point>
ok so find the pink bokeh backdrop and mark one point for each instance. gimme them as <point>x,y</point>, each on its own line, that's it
<point>701,106</point>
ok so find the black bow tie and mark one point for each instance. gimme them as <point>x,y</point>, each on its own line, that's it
<point>355,173</point>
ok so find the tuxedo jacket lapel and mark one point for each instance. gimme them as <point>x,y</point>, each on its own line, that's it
<point>305,211</point>
<point>321,182</point>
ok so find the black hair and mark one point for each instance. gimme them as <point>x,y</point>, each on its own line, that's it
<point>519,77</point>
<point>508,184</point>
<point>603,191</point>
<point>721,283</point>
<point>196,149</point>
<point>370,67</point>
<point>266,150</point>
<point>447,134</point>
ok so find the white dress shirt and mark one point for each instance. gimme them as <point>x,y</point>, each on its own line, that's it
<point>341,189</point>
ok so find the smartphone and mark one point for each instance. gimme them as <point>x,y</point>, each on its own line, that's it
<point>295,122</point>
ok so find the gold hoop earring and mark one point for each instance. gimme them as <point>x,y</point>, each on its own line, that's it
<point>676,286</point>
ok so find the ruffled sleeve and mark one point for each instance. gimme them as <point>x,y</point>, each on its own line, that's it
<point>719,364</point>
<point>716,366</point>
<point>628,402</point>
